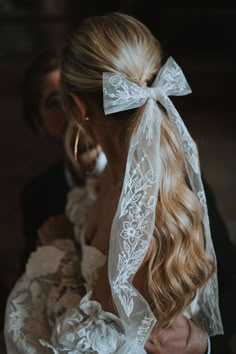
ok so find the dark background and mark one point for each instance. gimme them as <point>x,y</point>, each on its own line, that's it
<point>201,36</point>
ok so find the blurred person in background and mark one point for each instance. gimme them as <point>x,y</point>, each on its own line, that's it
<point>44,196</point>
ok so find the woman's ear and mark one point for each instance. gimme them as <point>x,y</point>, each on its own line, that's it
<point>80,103</point>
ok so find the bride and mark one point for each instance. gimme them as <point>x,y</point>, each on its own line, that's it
<point>142,240</point>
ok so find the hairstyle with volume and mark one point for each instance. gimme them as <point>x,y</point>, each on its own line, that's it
<point>177,264</point>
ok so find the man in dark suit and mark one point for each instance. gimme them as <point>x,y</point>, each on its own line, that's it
<point>42,197</point>
<point>226,264</point>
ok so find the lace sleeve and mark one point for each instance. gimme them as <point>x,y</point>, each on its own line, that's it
<point>45,313</point>
<point>51,280</point>
<point>85,328</point>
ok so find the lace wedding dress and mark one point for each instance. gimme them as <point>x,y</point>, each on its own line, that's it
<point>50,308</point>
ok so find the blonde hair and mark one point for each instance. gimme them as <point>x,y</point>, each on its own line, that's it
<point>177,263</point>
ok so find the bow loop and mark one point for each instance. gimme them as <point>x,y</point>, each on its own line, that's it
<point>171,80</point>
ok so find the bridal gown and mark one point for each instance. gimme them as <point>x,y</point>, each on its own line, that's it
<point>50,308</point>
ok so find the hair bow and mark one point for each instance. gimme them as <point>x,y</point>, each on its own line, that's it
<point>134,221</point>
<point>120,94</point>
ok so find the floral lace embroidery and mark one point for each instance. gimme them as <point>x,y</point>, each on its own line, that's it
<point>129,247</point>
<point>189,145</point>
<point>135,242</point>
<point>136,210</point>
<point>26,316</point>
<point>26,311</point>
<point>120,92</point>
<point>87,329</point>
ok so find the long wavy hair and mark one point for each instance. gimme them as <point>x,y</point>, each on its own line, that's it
<point>176,261</point>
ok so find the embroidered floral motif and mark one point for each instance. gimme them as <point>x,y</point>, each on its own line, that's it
<point>121,94</point>
<point>149,121</point>
<point>135,210</point>
<point>171,79</point>
<point>17,316</point>
<point>87,329</point>
<point>120,91</point>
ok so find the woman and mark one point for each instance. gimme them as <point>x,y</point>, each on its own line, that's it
<point>147,256</point>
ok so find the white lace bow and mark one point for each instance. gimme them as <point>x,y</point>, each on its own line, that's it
<point>133,224</point>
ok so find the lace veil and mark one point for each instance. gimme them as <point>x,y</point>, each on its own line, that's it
<point>133,224</point>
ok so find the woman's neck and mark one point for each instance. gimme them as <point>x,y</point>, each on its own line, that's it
<point>115,170</point>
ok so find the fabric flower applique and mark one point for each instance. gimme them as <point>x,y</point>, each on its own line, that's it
<point>45,260</point>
